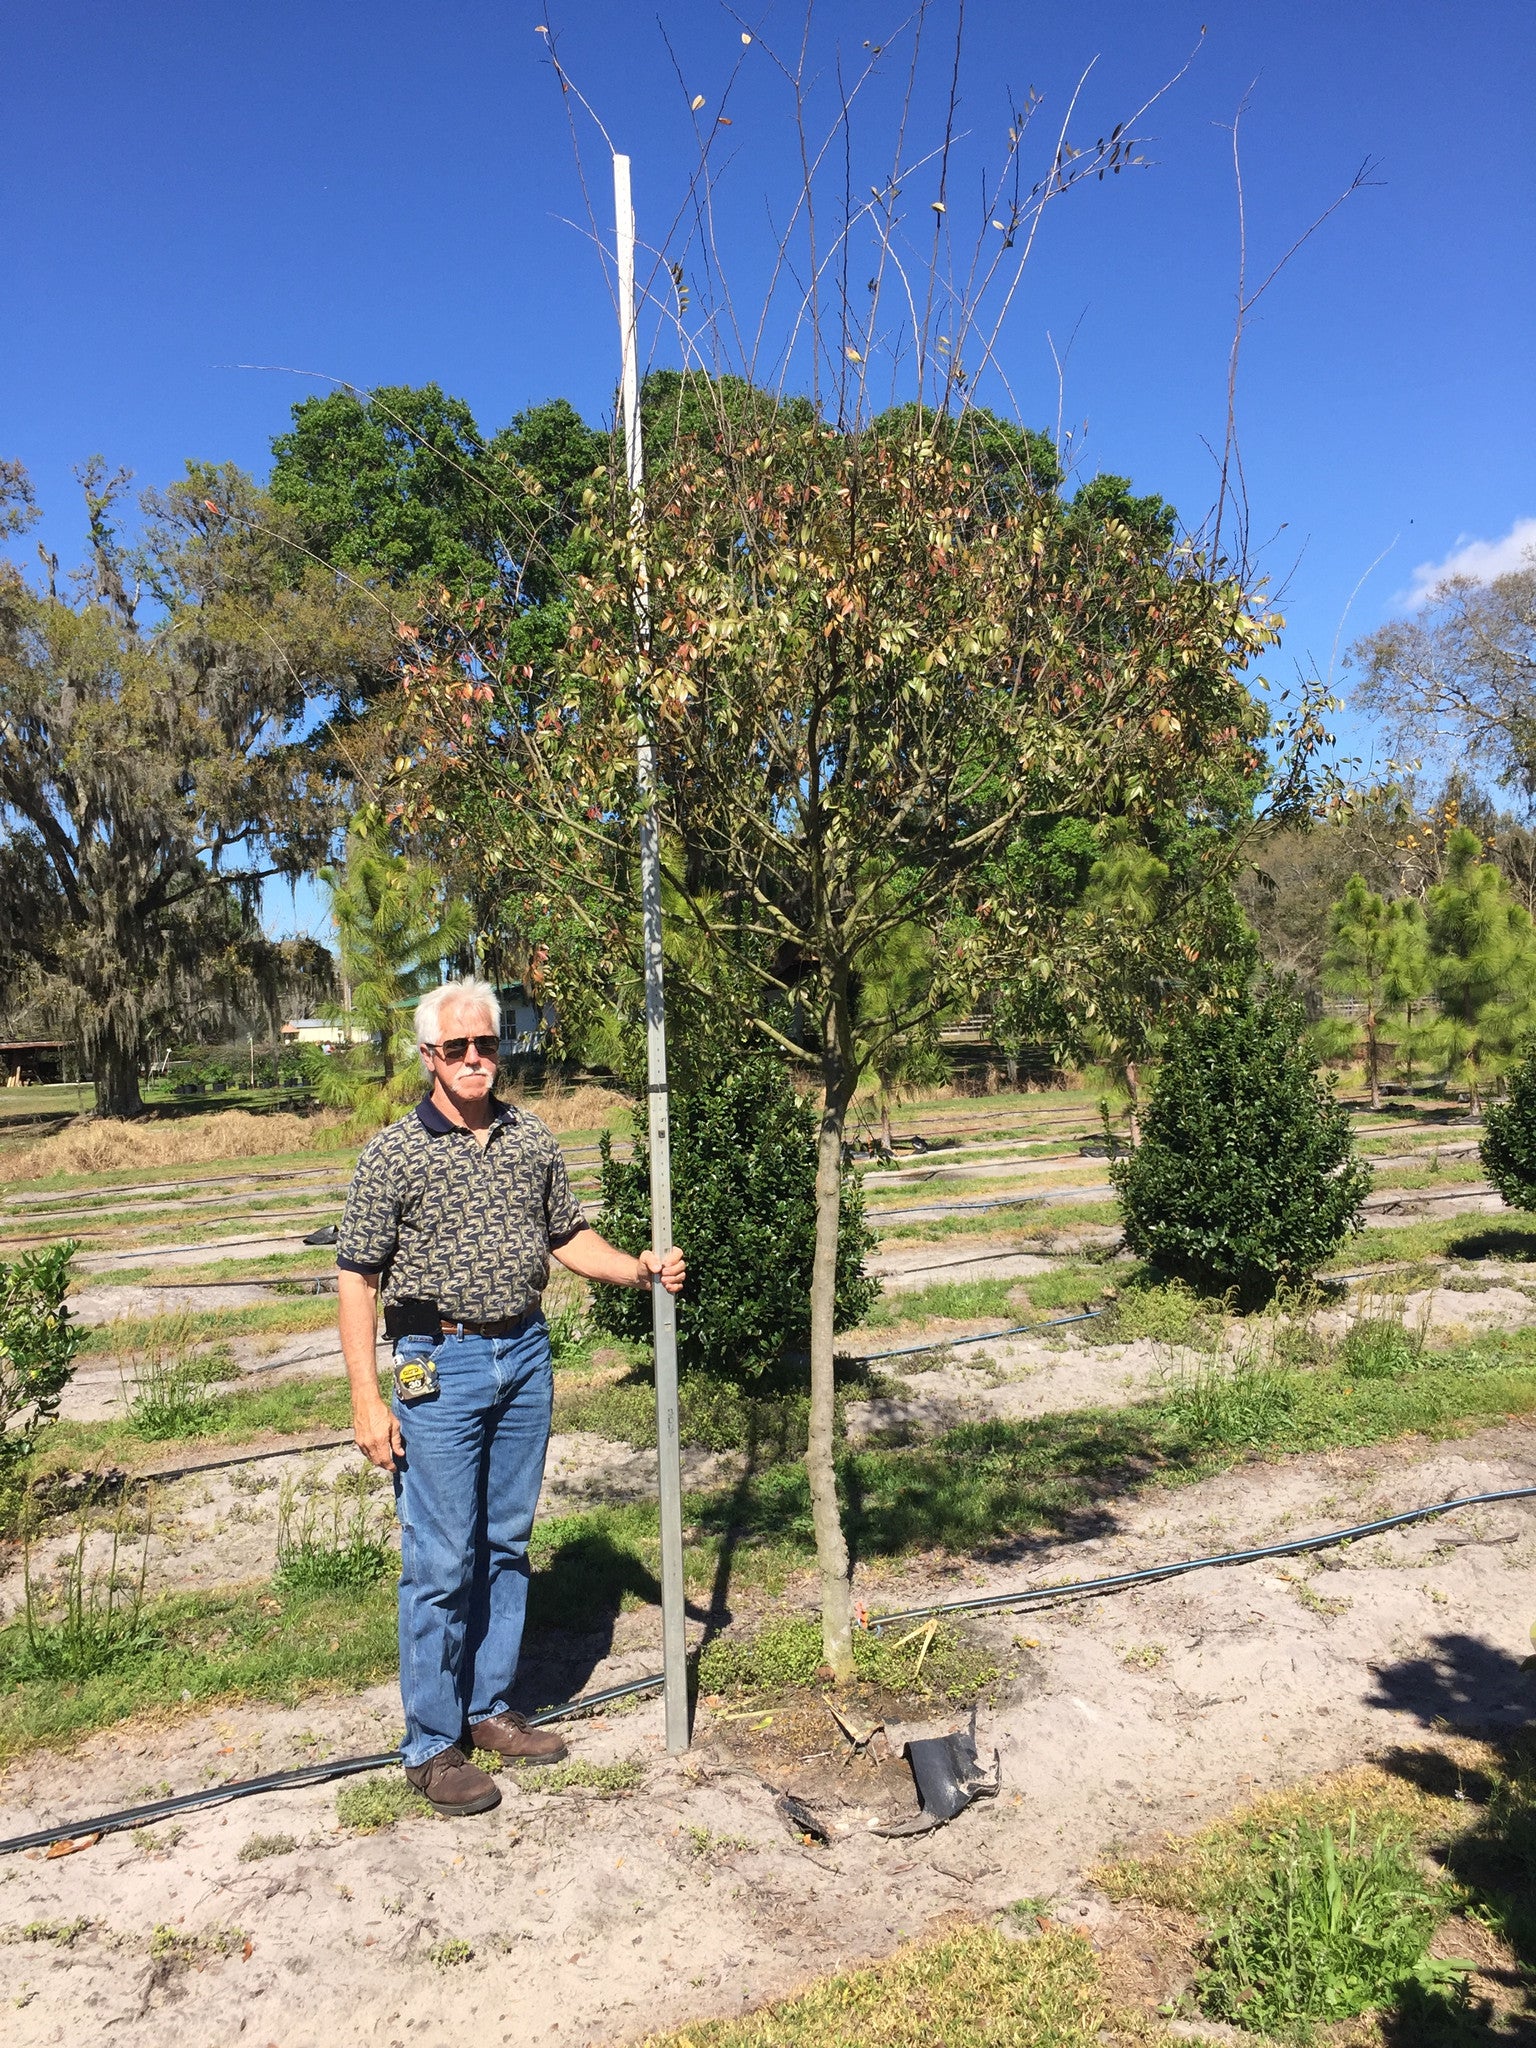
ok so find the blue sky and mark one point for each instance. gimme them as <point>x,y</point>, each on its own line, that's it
<point>386,192</point>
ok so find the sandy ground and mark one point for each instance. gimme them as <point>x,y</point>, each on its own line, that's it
<point>220,1526</point>
<point>597,1919</point>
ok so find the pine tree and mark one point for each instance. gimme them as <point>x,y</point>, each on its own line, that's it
<point>1375,953</point>
<point>396,924</point>
<point>1482,963</point>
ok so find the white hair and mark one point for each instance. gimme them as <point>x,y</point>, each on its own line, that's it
<point>477,995</point>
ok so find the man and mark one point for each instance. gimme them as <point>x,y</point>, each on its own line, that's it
<point>452,1217</point>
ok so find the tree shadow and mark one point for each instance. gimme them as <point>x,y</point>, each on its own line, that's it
<point>1461,1682</point>
<point>1495,1241</point>
<point>1468,1685</point>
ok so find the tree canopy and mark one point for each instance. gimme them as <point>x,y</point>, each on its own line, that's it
<point>401,486</point>
<point>154,771</point>
<point>868,670</point>
<point>1457,680</point>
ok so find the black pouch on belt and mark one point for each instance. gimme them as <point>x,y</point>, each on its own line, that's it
<point>411,1317</point>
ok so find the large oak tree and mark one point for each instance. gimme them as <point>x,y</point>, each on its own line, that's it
<point>161,755</point>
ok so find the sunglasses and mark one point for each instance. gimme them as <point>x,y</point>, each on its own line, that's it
<point>454,1049</point>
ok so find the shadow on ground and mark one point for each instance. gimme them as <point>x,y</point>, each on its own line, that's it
<point>1470,1686</point>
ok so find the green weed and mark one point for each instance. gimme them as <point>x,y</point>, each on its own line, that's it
<point>1320,1930</point>
<point>172,1945</point>
<point>573,1776</point>
<point>95,1622</point>
<point>1167,1312</point>
<point>348,1550</point>
<point>369,1804</point>
<point>62,1933</point>
<point>447,1955</point>
<point>256,1848</point>
<point>150,1841</point>
<point>1238,1403</point>
<point>168,1394</point>
<point>1378,1346</point>
<point>929,1661</point>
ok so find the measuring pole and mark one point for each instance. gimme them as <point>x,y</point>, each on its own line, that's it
<point>674,1648</point>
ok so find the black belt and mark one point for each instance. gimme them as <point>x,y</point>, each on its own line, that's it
<point>503,1326</point>
<point>412,1316</point>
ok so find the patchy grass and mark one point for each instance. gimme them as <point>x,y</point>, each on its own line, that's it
<point>607,1780</point>
<point>713,1415</point>
<point>1510,1237</point>
<point>1043,1220</point>
<point>927,1661</point>
<point>953,1300</point>
<point>1322,1902</point>
<point>195,1650</point>
<point>278,1319</point>
<point>276,1266</point>
<point>368,1805</point>
<point>282,1408</point>
<point>975,1988</point>
<point>971,1492</point>
<point>1076,1285</point>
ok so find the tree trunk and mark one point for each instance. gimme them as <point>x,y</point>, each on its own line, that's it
<point>1133,1101</point>
<point>116,1068</point>
<point>885,1127</point>
<point>1373,1060</point>
<point>820,1460</point>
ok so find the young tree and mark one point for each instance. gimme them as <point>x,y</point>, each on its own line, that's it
<point>744,1203</point>
<point>1376,953</point>
<point>395,925</point>
<point>869,669</point>
<point>1482,966</point>
<point>897,979</point>
<point>871,650</point>
<point>152,775</point>
<point>1160,938</point>
<point>1246,1177</point>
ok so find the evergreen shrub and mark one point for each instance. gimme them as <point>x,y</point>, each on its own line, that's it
<point>38,1343</point>
<point>744,1212</point>
<point>1508,1147</point>
<point>1246,1178</point>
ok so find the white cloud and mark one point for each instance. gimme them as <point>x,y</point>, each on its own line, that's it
<point>1482,560</point>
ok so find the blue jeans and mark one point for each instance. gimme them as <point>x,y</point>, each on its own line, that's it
<point>466,1495</point>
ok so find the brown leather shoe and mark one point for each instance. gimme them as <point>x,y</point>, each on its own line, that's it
<point>450,1783</point>
<point>510,1736</point>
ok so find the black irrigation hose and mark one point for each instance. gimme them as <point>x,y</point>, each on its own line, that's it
<point>283,1781</point>
<point>987,1337</point>
<point>1031,1597</point>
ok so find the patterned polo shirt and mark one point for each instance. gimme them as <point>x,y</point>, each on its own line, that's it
<point>446,1219</point>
